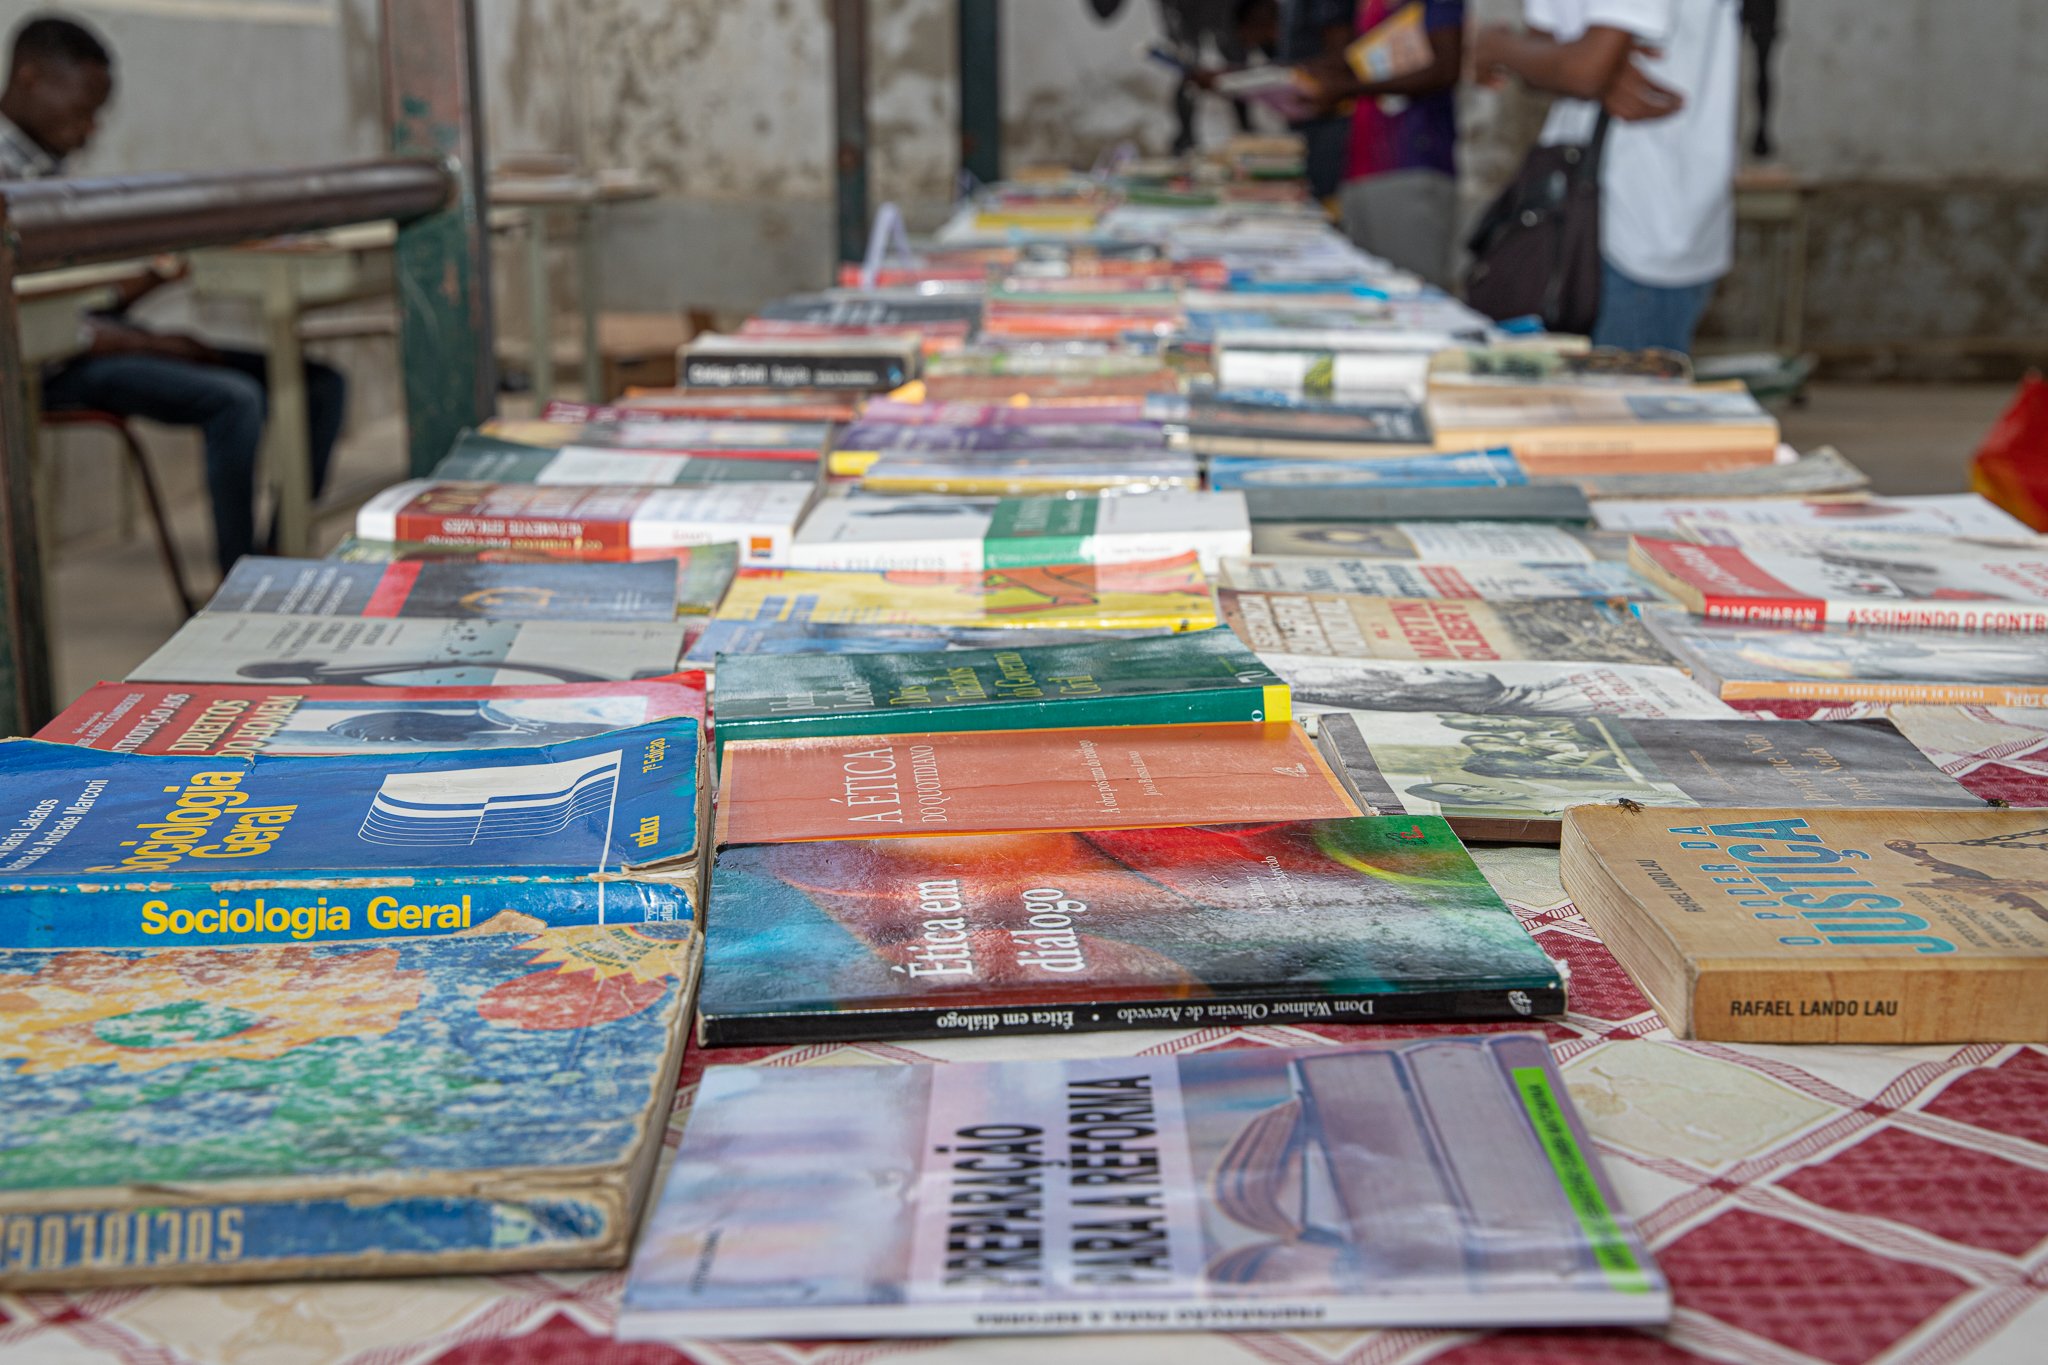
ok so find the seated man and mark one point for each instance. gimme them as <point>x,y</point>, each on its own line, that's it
<point>58,78</point>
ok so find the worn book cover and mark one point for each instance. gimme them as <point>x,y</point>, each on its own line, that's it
<point>1785,925</point>
<point>1522,542</point>
<point>1150,593</point>
<point>703,572</point>
<point>1529,502</point>
<point>966,535</point>
<point>1944,514</point>
<point>1332,921</point>
<point>1474,579</point>
<point>1276,417</point>
<point>452,589</point>
<point>1465,469</point>
<point>1598,366</point>
<point>1184,678</point>
<point>990,781</point>
<point>413,651</point>
<point>1427,1182</point>
<point>1591,429</point>
<point>1511,687</point>
<point>481,459</point>
<point>1858,663</point>
<point>211,719</point>
<point>613,522</point>
<point>1509,777</point>
<point>123,850</point>
<point>1821,471</point>
<point>1343,626</point>
<point>490,1099</point>
<point>1794,578</point>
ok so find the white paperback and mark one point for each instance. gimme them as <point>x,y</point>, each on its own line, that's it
<point>966,534</point>
<point>1484,580</point>
<point>1959,514</point>
<point>1442,1182</point>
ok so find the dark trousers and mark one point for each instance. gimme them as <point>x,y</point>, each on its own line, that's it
<point>227,402</point>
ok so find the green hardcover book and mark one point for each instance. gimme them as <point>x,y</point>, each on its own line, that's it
<point>1195,677</point>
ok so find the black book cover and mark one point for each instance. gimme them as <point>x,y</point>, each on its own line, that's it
<point>1540,502</point>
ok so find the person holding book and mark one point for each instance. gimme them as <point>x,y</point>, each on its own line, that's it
<point>1399,199</point>
<point>1667,73</point>
<point>60,77</point>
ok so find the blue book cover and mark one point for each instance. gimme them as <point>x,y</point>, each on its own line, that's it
<point>114,850</point>
<point>1466,469</point>
<point>487,1100</point>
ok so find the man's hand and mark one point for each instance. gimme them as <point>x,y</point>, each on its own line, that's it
<point>1488,45</point>
<point>1632,96</point>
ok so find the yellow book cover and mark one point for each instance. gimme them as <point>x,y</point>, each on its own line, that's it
<point>1396,46</point>
<point>1151,594</point>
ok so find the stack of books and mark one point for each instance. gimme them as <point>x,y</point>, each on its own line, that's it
<point>1114,617</point>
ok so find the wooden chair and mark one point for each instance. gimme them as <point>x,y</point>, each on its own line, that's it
<point>138,462</point>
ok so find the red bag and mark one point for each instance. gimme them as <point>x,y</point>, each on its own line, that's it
<point>2011,467</point>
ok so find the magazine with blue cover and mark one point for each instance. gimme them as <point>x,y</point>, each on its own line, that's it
<point>119,850</point>
<point>1427,1182</point>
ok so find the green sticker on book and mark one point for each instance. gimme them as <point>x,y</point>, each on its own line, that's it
<point>1581,1190</point>
<point>1027,531</point>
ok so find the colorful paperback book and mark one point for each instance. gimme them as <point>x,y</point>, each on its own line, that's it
<point>1265,360</point>
<point>450,589</point>
<point>1794,925</point>
<point>1951,514</point>
<point>1939,583</point>
<point>1509,777</point>
<point>488,1100</point>
<point>479,459</point>
<point>814,637</point>
<point>1189,677</point>
<point>1855,663</point>
<point>1592,429</point>
<point>122,850</point>
<point>1351,626</point>
<point>1509,688</point>
<point>246,647</point>
<point>1353,921</point>
<point>992,781</point>
<point>967,535</point>
<point>1534,502</point>
<point>1426,1182</point>
<point>1819,472</point>
<point>1076,433</point>
<point>1000,474</point>
<point>655,433</point>
<point>1518,542</point>
<point>1476,579</point>
<point>1596,366</point>
<point>1152,593</point>
<point>209,720</point>
<point>1469,469</point>
<point>619,522</point>
<point>703,572</point>
<point>1257,415</point>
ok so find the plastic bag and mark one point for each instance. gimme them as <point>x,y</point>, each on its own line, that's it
<point>2011,468</point>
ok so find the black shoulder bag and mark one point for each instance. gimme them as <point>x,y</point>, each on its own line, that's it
<point>1537,249</point>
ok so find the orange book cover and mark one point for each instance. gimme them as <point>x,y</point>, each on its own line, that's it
<point>992,781</point>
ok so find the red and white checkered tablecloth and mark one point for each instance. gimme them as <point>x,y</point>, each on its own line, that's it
<point>1812,1206</point>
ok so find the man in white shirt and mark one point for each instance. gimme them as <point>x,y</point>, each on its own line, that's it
<point>1668,71</point>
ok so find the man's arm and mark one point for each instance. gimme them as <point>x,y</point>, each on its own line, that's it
<point>1598,65</point>
<point>111,337</point>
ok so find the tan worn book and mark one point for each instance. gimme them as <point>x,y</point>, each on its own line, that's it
<point>1556,429</point>
<point>1804,926</point>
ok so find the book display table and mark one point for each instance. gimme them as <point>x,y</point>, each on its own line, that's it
<point>1810,1205</point>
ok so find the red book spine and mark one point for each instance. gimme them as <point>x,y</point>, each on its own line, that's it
<point>393,588</point>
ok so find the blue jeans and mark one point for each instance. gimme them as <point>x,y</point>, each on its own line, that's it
<point>227,402</point>
<point>1634,315</point>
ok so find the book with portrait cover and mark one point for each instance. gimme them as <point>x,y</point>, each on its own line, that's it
<point>1511,777</point>
<point>1185,678</point>
<point>491,1099</point>
<point>993,781</point>
<point>1349,626</point>
<point>210,719</point>
<point>113,850</point>
<point>1168,593</point>
<point>1473,579</point>
<point>1511,687</point>
<point>703,572</point>
<point>1553,502</point>
<point>1786,576</point>
<point>1327,921</point>
<point>1522,542</point>
<point>450,589</point>
<point>1790,925</point>
<point>1424,1182</point>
